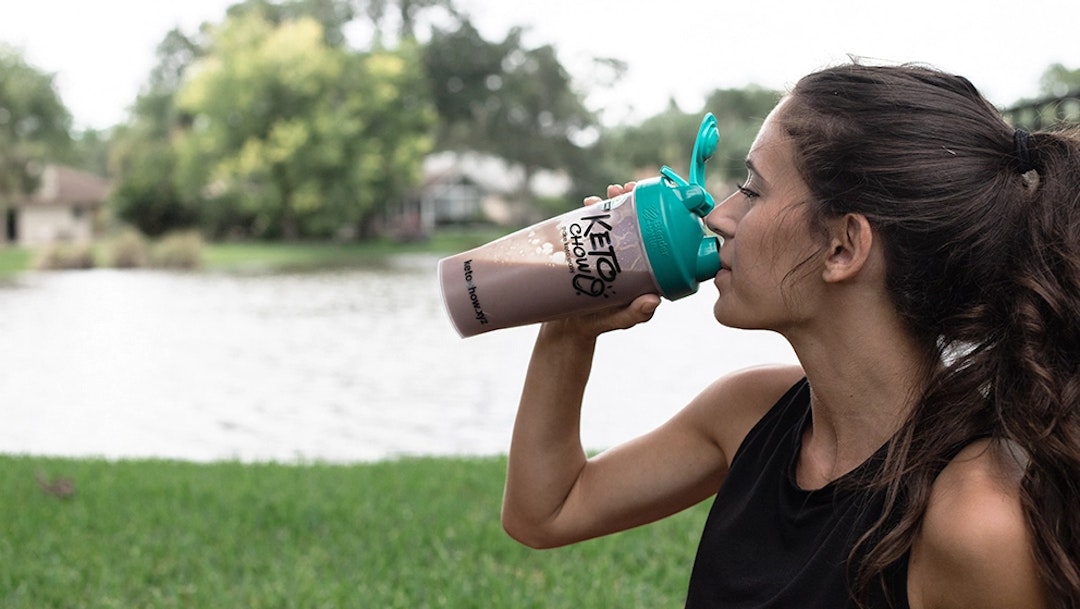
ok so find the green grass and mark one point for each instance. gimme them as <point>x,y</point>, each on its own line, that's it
<point>415,533</point>
<point>318,255</point>
<point>14,260</point>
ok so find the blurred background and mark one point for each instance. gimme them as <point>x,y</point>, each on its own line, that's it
<point>219,221</point>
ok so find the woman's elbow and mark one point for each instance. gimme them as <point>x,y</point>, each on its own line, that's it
<point>531,535</point>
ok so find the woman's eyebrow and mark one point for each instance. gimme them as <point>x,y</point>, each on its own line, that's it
<point>754,172</point>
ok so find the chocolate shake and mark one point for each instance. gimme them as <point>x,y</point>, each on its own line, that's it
<point>585,260</point>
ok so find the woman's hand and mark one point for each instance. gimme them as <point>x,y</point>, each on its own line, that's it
<point>613,190</point>
<point>591,325</point>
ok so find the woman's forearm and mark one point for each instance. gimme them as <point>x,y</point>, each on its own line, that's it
<point>546,455</point>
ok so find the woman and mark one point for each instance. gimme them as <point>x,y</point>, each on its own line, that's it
<point>922,257</point>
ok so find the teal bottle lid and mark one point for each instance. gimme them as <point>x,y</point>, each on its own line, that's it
<point>670,212</point>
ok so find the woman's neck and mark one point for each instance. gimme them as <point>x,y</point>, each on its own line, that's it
<point>866,373</point>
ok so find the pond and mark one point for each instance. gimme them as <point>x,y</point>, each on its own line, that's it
<point>342,366</point>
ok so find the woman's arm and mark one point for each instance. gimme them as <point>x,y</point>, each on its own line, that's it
<point>555,495</point>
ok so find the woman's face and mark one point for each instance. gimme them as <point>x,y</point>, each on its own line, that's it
<point>766,236</point>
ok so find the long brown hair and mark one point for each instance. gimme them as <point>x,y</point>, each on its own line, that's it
<point>981,232</point>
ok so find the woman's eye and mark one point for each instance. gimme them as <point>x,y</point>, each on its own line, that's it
<point>749,194</point>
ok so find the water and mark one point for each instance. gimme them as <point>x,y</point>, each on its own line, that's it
<point>342,366</point>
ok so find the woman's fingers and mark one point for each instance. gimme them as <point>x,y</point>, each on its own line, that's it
<point>613,190</point>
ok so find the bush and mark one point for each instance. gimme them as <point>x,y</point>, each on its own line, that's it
<point>128,250</point>
<point>63,256</point>
<point>178,251</point>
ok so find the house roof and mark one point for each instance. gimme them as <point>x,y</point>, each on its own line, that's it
<point>490,173</point>
<point>63,185</point>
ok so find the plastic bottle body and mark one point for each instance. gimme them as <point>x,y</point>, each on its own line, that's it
<point>584,260</point>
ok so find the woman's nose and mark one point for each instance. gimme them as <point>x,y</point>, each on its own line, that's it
<point>723,219</point>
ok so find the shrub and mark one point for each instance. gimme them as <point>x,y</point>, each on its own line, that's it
<point>128,250</point>
<point>66,255</point>
<point>178,251</point>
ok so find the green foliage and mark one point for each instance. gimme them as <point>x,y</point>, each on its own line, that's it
<point>668,137</point>
<point>505,99</point>
<point>297,137</point>
<point>499,96</point>
<point>35,126</point>
<point>332,15</point>
<point>90,151</point>
<point>406,17</point>
<point>266,125</point>
<point>142,156</point>
<point>664,139</point>
<point>1056,105</point>
<point>415,533</point>
<point>1058,80</point>
<point>739,114</point>
<point>465,73</point>
<point>147,195</point>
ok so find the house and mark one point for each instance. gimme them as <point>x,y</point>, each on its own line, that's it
<point>467,188</point>
<point>63,208</point>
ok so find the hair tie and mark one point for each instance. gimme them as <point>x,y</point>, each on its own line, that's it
<point>1023,152</point>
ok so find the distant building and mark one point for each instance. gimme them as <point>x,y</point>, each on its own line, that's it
<point>466,188</point>
<point>1045,113</point>
<point>63,208</point>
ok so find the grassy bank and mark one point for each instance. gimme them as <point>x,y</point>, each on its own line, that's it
<point>270,256</point>
<point>314,255</point>
<point>417,533</point>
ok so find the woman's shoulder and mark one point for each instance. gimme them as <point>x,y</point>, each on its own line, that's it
<point>974,548</point>
<point>752,391</point>
<point>734,403</point>
<point>765,380</point>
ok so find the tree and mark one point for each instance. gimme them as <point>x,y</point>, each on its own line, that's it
<point>407,15</point>
<point>667,138</point>
<point>663,139</point>
<point>1058,81</point>
<point>35,126</point>
<point>739,114</point>
<point>295,137</point>
<point>332,15</point>
<point>90,151</point>
<point>1056,102</point>
<point>507,100</point>
<point>142,155</point>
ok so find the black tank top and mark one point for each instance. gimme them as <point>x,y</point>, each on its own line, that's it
<point>769,544</point>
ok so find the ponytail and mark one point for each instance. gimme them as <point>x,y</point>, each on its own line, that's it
<point>1036,388</point>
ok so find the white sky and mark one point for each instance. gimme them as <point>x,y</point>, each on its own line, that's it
<point>102,50</point>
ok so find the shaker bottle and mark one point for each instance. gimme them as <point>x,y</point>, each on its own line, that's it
<point>649,240</point>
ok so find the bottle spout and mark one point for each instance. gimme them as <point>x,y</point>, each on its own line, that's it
<point>708,136</point>
<point>693,194</point>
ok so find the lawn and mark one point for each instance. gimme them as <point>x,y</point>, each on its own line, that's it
<point>414,533</point>
<point>14,260</point>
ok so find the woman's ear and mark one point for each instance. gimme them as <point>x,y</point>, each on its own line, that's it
<point>850,243</point>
